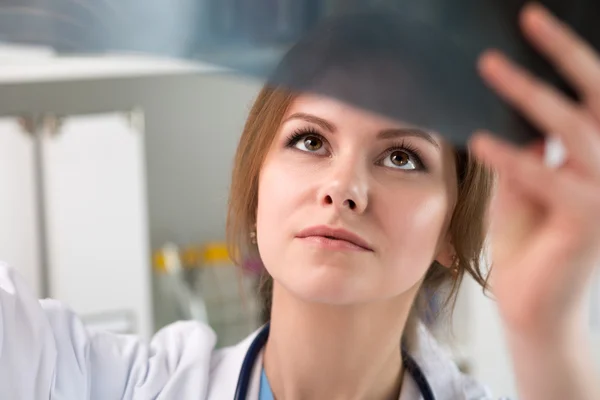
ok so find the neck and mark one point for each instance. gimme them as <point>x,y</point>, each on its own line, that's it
<point>318,351</point>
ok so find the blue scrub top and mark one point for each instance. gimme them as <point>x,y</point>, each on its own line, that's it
<point>265,392</point>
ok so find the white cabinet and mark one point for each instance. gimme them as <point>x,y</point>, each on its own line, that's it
<point>19,217</point>
<point>89,243</point>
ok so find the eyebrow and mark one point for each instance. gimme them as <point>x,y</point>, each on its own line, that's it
<point>384,134</point>
<point>315,120</point>
<point>403,132</point>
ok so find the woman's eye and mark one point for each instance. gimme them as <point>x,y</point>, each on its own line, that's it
<point>401,159</point>
<point>310,143</point>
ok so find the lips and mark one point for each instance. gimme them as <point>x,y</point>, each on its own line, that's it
<point>338,234</point>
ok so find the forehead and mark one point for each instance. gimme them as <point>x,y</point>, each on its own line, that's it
<point>324,106</point>
<point>342,115</point>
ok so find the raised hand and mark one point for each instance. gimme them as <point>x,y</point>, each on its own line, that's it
<point>545,221</point>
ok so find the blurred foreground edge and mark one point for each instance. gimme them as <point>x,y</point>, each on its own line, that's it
<point>412,60</point>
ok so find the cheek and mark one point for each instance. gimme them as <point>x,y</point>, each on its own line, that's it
<point>414,211</point>
<point>278,191</point>
<point>281,192</point>
<point>413,223</point>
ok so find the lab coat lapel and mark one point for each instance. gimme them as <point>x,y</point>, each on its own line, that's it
<point>225,371</point>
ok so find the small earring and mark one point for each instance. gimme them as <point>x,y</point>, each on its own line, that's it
<point>455,266</point>
<point>253,236</point>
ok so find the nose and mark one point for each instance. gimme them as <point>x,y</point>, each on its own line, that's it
<point>346,189</point>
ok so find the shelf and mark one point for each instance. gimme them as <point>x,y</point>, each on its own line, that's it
<point>21,66</point>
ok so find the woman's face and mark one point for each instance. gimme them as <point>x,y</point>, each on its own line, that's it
<point>352,207</point>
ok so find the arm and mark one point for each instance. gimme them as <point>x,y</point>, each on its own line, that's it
<point>45,351</point>
<point>27,349</point>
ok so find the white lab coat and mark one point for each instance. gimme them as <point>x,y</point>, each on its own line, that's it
<point>46,353</point>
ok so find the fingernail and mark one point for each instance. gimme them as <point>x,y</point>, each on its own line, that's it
<point>496,67</point>
<point>480,143</point>
<point>489,59</point>
<point>476,137</point>
<point>540,19</point>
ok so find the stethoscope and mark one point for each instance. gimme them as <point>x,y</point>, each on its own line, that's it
<point>241,390</point>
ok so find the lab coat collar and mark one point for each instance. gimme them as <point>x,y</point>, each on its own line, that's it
<point>225,370</point>
<point>442,373</point>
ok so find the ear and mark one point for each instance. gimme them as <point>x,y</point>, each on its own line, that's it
<point>446,253</point>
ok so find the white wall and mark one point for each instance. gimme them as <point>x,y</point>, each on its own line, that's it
<point>190,159</point>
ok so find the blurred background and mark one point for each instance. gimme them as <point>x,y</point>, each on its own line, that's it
<point>114,175</point>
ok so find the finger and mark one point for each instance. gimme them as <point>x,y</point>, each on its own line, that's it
<point>526,171</point>
<point>574,57</point>
<point>546,107</point>
<point>560,197</point>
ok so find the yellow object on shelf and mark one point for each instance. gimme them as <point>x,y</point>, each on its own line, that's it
<point>159,261</point>
<point>207,255</point>
<point>190,257</point>
<point>215,253</point>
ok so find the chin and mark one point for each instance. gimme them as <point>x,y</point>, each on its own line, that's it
<point>337,277</point>
<point>329,282</point>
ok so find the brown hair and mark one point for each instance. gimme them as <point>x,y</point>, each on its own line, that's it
<point>467,227</point>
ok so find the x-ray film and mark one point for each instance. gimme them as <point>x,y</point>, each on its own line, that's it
<point>412,60</point>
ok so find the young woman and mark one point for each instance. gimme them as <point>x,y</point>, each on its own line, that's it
<point>355,216</point>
